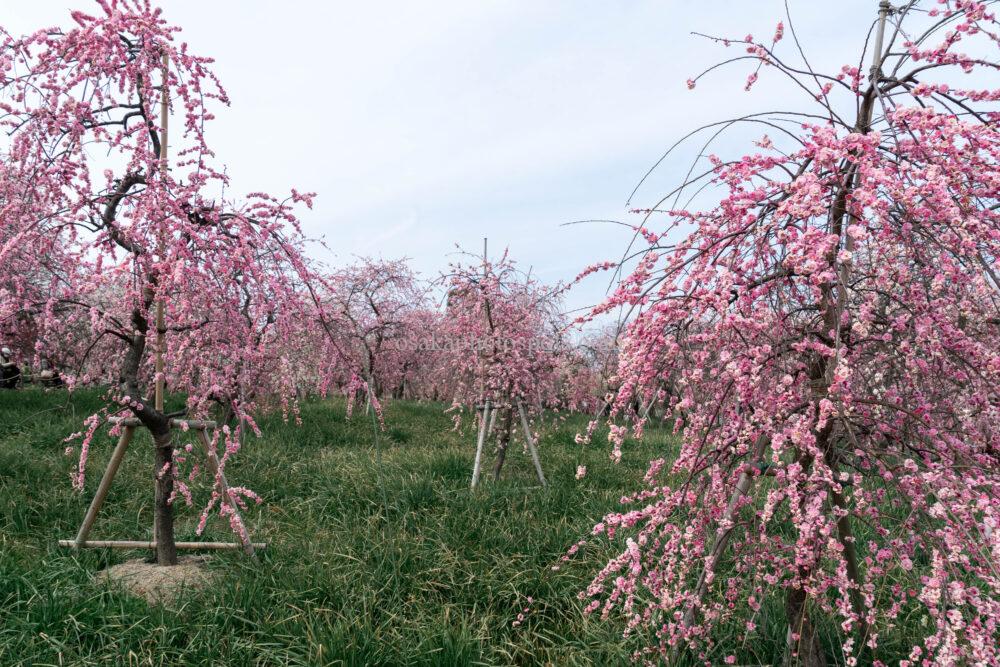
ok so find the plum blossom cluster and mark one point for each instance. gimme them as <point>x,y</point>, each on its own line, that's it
<point>826,338</point>
<point>516,327</point>
<point>97,228</point>
<point>370,311</point>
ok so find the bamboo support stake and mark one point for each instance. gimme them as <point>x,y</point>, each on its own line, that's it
<point>884,7</point>
<point>105,485</point>
<point>160,323</point>
<point>493,421</point>
<point>722,535</point>
<point>478,464</point>
<point>213,464</point>
<point>531,443</point>
<point>158,398</point>
<point>649,406</point>
<point>81,541</point>
<point>484,425</point>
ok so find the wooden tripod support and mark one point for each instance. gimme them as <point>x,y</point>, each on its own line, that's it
<point>201,429</point>
<point>531,443</point>
<point>488,418</point>
<point>486,428</point>
<point>477,465</point>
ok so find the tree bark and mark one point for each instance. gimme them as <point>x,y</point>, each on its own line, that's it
<point>505,429</point>
<point>159,427</point>
<point>803,649</point>
<point>166,547</point>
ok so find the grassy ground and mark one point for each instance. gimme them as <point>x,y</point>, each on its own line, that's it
<point>388,564</point>
<point>379,554</point>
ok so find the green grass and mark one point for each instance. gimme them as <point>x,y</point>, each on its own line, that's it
<point>368,564</point>
<point>379,553</point>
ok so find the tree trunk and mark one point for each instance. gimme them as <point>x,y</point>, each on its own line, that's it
<point>803,649</point>
<point>400,391</point>
<point>166,547</point>
<point>159,427</point>
<point>803,643</point>
<point>508,422</point>
<point>229,411</point>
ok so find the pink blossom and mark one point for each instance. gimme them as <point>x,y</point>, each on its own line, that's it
<point>821,332</point>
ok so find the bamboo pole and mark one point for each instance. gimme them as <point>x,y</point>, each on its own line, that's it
<point>139,544</point>
<point>105,485</point>
<point>486,312</point>
<point>493,421</point>
<point>160,323</point>
<point>883,12</point>
<point>485,427</point>
<point>649,406</point>
<point>477,466</point>
<point>158,399</point>
<point>220,477</point>
<point>531,442</point>
<point>723,532</point>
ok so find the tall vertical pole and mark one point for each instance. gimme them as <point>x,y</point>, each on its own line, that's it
<point>883,11</point>
<point>161,247</point>
<point>486,309</point>
<point>477,465</point>
<point>801,637</point>
<point>485,414</point>
<point>160,324</point>
<point>532,449</point>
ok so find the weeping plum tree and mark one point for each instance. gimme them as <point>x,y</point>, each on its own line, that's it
<point>581,384</point>
<point>417,363</point>
<point>831,331</point>
<point>502,341</point>
<point>371,304</point>
<point>107,230</point>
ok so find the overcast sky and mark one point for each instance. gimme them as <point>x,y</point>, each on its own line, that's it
<point>422,125</point>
